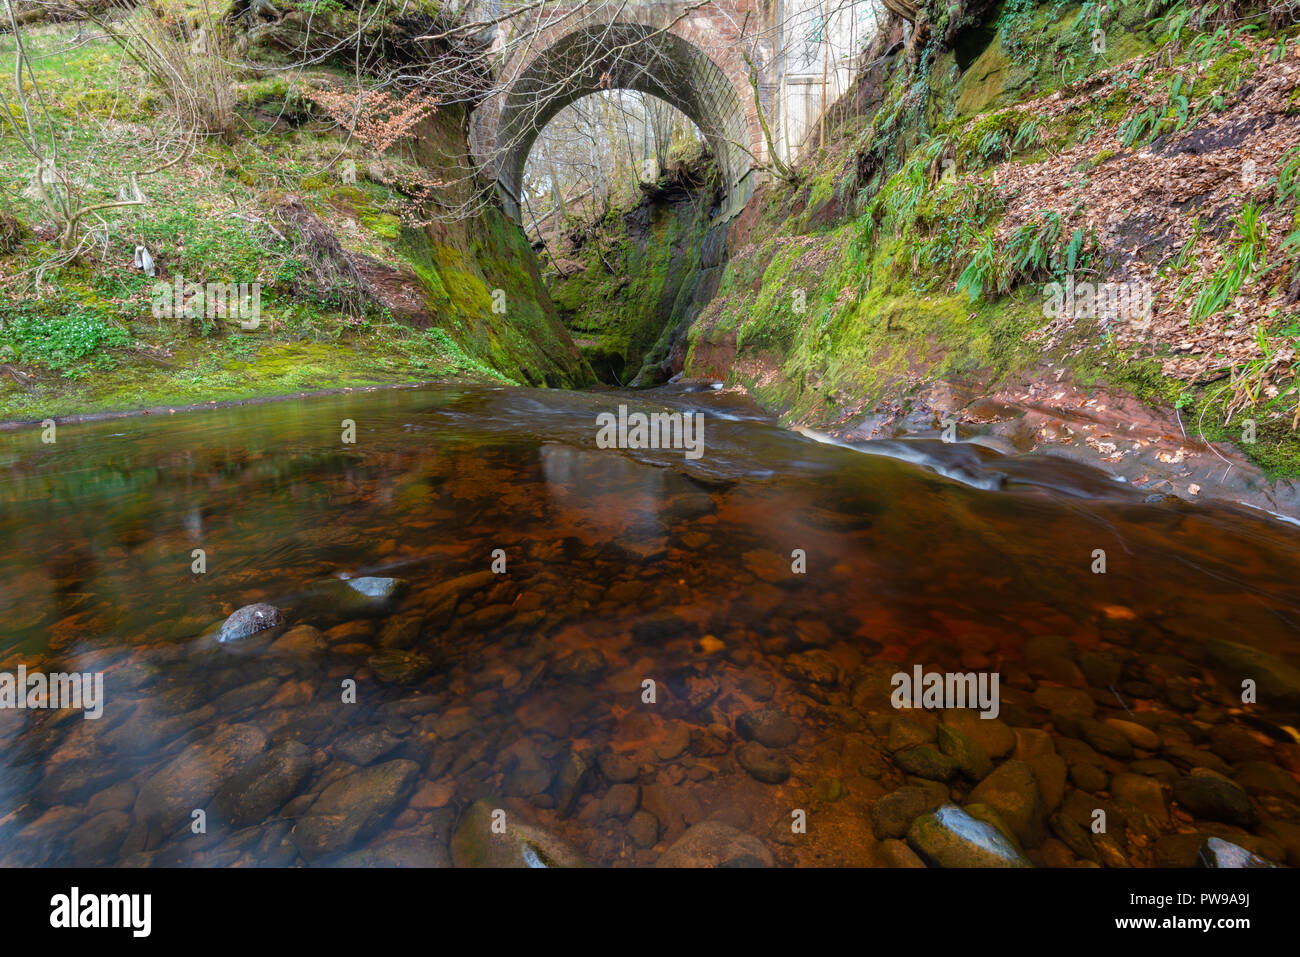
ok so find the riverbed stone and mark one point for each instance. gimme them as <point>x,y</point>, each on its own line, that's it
<point>768,726</point>
<point>1286,835</point>
<point>967,753</point>
<point>1072,702</point>
<point>1012,791</point>
<point>354,807</point>
<point>366,745</point>
<point>188,781</point>
<point>1073,835</point>
<point>618,768</point>
<point>400,632</point>
<point>584,666</point>
<point>263,787</point>
<point>1157,768</point>
<point>302,641</point>
<point>949,837</point>
<point>1143,793</point>
<point>643,829</point>
<point>714,844</point>
<point>1234,744</point>
<point>96,842</point>
<point>1264,777</point>
<point>906,731</point>
<point>1138,736</point>
<point>479,841</point>
<point>620,801</point>
<point>763,763</point>
<point>812,667</point>
<point>1106,739</point>
<point>896,853</point>
<point>1050,772</point>
<point>894,813</point>
<point>406,851</point>
<point>339,599</point>
<point>926,762</point>
<point>992,734</point>
<point>400,666</point>
<point>1189,758</point>
<point>1214,798</point>
<point>1277,681</point>
<point>570,782</point>
<point>258,619</point>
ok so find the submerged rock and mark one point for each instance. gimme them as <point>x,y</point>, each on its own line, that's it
<point>354,807</point>
<point>486,838</point>
<point>1278,682</point>
<point>341,599</point>
<point>768,726</point>
<point>1214,798</point>
<point>300,642</point>
<point>248,621</point>
<point>969,756</point>
<point>892,814</point>
<point>97,841</point>
<point>763,763</point>
<point>1012,791</point>
<point>643,828</point>
<point>262,788</point>
<point>401,851</point>
<point>714,844</point>
<point>926,763</point>
<point>190,779</point>
<point>949,837</point>
<point>400,666</point>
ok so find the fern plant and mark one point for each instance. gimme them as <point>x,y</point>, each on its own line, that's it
<point>1243,263</point>
<point>981,273</point>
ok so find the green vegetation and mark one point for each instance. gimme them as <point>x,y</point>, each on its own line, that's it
<point>922,275</point>
<point>78,319</point>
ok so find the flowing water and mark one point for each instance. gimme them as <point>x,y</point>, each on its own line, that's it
<point>613,646</point>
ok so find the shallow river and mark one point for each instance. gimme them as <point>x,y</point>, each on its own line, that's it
<point>616,647</point>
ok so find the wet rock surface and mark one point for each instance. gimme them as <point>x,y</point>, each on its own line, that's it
<point>249,621</point>
<point>950,837</point>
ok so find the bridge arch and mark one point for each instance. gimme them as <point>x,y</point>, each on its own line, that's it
<point>619,55</point>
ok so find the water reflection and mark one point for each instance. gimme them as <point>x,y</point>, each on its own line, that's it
<point>776,575</point>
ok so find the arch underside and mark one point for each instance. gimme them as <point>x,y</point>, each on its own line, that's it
<point>633,57</point>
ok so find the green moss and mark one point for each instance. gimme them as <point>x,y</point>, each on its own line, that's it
<point>642,270</point>
<point>93,341</point>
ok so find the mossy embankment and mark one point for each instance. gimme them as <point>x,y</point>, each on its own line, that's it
<point>362,277</point>
<point>915,270</point>
<point>628,286</point>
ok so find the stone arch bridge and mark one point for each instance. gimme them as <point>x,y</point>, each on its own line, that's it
<point>683,53</point>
